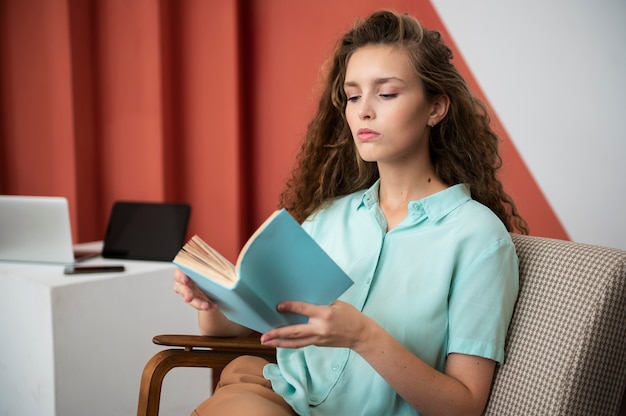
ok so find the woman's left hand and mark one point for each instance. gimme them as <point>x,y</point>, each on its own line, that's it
<point>337,325</point>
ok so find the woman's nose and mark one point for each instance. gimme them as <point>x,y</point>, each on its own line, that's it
<point>366,110</point>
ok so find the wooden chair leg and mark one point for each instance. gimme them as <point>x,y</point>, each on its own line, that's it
<point>161,363</point>
<point>191,351</point>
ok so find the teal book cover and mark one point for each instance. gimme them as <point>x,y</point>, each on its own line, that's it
<point>281,261</point>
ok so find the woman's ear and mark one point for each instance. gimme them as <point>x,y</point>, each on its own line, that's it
<point>439,109</point>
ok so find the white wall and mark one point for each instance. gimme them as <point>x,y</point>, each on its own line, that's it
<point>554,71</point>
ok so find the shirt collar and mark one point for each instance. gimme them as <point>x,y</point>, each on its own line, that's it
<point>435,206</point>
<point>370,196</point>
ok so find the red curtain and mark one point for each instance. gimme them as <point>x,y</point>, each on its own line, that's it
<point>194,101</point>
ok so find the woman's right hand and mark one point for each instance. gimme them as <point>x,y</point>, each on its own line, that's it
<point>190,293</point>
<point>210,319</point>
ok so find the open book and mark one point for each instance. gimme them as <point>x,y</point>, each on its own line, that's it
<point>281,261</point>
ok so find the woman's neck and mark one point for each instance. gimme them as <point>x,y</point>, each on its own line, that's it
<point>398,188</point>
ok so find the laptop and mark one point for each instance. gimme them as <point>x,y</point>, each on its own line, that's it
<point>37,229</point>
<point>146,230</point>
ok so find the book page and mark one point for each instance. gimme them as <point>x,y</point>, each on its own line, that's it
<point>198,255</point>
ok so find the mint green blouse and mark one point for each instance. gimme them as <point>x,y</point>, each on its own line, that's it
<point>444,280</point>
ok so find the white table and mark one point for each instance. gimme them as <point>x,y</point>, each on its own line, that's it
<point>76,345</point>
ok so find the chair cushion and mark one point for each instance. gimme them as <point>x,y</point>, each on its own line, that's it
<point>566,345</point>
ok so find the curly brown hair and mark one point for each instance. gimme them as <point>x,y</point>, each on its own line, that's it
<point>463,147</point>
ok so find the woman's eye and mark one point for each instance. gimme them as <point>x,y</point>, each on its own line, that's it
<point>353,98</point>
<point>387,96</point>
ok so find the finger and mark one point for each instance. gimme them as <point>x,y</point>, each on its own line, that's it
<point>201,304</point>
<point>285,332</point>
<point>187,289</point>
<point>184,291</point>
<point>289,343</point>
<point>181,277</point>
<point>197,300</point>
<point>301,308</point>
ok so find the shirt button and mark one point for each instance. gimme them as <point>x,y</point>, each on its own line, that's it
<point>335,367</point>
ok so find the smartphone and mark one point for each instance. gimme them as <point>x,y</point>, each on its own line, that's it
<point>108,268</point>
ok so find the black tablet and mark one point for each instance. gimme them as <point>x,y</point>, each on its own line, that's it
<point>146,230</point>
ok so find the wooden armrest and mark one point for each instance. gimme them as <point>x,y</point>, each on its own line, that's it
<point>192,351</point>
<point>235,344</point>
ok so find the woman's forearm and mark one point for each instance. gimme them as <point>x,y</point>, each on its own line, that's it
<point>429,391</point>
<point>214,323</point>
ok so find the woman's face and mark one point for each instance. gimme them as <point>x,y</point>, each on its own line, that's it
<point>387,110</point>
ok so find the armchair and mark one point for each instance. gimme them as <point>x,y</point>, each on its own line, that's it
<point>565,349</point>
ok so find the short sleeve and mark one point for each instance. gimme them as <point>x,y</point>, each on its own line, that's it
<point>482,298</point>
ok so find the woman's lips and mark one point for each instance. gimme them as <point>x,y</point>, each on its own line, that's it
<point>365,135</point>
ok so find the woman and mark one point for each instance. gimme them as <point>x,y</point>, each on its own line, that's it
<point>396,180</point>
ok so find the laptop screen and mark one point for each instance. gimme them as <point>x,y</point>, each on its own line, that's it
<point>146,230</point>
<point>35,229</point>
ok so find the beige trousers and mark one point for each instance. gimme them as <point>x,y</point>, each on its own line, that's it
<point>242,390</point>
